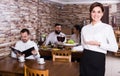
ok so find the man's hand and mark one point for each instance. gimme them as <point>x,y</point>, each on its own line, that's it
<point>34,52</point>
<point>18,54</point>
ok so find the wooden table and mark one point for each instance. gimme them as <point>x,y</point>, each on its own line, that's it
<point>11,67</point>
<point>48,54</point>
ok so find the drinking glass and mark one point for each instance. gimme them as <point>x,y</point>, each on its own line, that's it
<point>59,38</point>
<point>62,38</point>
<point>42,40</point>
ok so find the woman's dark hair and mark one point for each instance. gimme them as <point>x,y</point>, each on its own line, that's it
<point>77,27</point>
<point>25,30</point>
<point>96,4</point>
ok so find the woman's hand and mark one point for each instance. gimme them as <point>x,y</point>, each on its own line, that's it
<point>96,43</point>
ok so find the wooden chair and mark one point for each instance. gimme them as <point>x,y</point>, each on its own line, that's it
<point>117,35</point>
<point>61,55</point>
<point>34,72</point>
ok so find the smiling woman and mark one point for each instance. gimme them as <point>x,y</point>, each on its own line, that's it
<point>96,38</point>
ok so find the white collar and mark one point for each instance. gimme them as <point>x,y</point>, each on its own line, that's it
<point>97,24</point>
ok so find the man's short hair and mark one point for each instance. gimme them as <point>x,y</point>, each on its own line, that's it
<point>25,30</point>
<point>57,24</point>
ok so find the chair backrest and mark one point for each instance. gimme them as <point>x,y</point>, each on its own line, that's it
<point>117,35</point>
<point>34,72</point>
<point>61,55</point>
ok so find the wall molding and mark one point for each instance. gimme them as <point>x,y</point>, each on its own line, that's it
<point>84,1</point>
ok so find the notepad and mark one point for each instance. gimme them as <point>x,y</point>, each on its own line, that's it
<point>27,52</point>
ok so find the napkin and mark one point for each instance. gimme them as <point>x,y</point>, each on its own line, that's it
<point>78,48</point>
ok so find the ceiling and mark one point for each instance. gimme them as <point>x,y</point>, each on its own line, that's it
<point>84,1</point>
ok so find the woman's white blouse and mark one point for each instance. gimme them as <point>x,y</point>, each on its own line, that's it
<point>102,33</point>
<point>75,38</point>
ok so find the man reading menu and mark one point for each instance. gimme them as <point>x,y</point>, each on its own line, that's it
<point>25,46</point>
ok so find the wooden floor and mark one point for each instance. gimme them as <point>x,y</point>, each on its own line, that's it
<point>112,66</point>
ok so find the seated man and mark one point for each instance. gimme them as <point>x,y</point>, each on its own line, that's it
<point>52,37</point>
<point>24,44</point>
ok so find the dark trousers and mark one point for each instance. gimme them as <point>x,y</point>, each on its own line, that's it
<point>92,63</point>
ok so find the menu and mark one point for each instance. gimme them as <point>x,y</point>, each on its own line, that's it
<point>27,52</point>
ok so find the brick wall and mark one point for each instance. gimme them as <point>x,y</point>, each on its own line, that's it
<point>76,13</point>
<point>118,14</point>
<point>47,14</point>
<point>39,17</point>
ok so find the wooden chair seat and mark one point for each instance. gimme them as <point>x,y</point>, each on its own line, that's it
<point>34,72</point>
<point>61,55</point>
